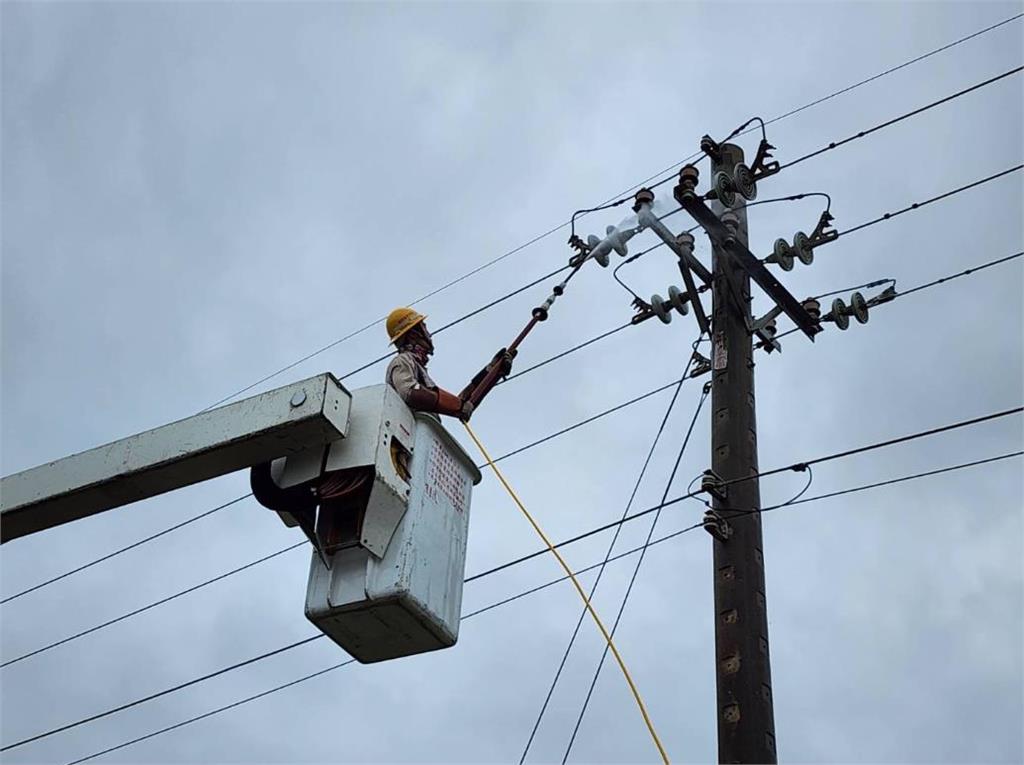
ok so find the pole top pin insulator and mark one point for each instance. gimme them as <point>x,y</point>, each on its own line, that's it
<point>643,196</point>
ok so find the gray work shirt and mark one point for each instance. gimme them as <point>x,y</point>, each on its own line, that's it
<point>405,374</point>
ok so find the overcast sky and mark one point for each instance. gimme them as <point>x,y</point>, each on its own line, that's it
<point>196,194</point>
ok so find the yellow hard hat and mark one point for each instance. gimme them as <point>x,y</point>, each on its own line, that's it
<point>400,321</point>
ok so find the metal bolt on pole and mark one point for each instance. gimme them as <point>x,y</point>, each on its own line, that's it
<point>746,721</point>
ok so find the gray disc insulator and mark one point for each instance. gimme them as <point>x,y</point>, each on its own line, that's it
<point>859,307</point>
<point>743,182</point>
<point>724,189</point>
<point>802,248</point>
<point>839,314</point>
<point>782,254</point>
<point>661,309</point>
<point>678,300</point>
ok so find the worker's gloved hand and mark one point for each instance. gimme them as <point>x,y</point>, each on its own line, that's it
<point>467,411</point>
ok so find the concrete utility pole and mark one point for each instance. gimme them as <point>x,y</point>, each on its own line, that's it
<point>746,720</point>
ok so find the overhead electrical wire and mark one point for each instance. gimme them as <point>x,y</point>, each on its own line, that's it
<point>927,285</point>
<point>907,115</point>
<point>611,547</point>
<point>216,579</point>
<point>639,562</point>
<point>297,545</point>
<point>912,290</point>
<point>523,448</point>
<point>636,569</point>
<point>824,149</point>
<point>919,205</point>
<point>485,265</point>
<point>775,471</point>
<point>965,272</point>
<point>609,641</point>
<point>630,259</point>
<point>471,614</point>
<point>124,549</point>
<point>149,606</point>
<point>669,169</point>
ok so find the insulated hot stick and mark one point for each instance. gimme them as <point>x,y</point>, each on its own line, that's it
<point>488,378</point>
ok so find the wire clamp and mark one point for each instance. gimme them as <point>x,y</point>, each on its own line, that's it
<point>712,483</point>
<point>701,365</point>
<point>762,167</point>
<point>717,526</point>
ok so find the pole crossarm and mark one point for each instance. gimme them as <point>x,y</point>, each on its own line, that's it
<point>219,441</point>
<point>722,237</point>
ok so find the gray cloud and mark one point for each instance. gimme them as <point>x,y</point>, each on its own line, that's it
<point>196,194</point>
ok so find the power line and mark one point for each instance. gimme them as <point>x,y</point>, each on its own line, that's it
<point>591,419</point>
<point>897,68</point>
<point>669,169</point>
<point>927,285</point>
<point>165,692</point>
<point>797,501</point>
<point>611,548</point>
<point>886,216</point>
<point>470,615</point>
<point>636,568</point>
<point>538,365</point>
<point>297,545</point>
<point>124,549</point>
<point>561,354</point>
<point>918,288</point>
<point>462,318</point>
<point>154,604</point>
<point>688,495</point>
<point>966,272</point>
<point>656,508</point>
<point>829,147</point>
<point>575,348</point>
<point>907,115</point>
<point>918,205</point>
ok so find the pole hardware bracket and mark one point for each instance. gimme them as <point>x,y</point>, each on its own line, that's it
<point>766,328</point>
<point>764,165</point>
<point>709,146</point>
<point>701,365</point>
<point>682,246</point>
<point>724,238</point>
<point>824,233</point>
<point>712,483</point>
<point>716,526</point>
<point>885,296</point>
<point>582,251</point>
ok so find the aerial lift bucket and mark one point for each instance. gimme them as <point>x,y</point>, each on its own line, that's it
<point>387,511</point>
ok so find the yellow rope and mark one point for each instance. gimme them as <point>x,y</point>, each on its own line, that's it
<point>579,589</point>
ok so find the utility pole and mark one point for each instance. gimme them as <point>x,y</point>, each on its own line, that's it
<point>746,720</point>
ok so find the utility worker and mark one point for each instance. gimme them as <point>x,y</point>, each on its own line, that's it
<point>407,372</point>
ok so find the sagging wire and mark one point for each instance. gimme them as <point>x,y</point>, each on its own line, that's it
<point>736,512</point>
<point>579,589</point>
<point>741,128</point>
<point>539,588</point>
<point>705,391</point>
<point>608,554</point>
